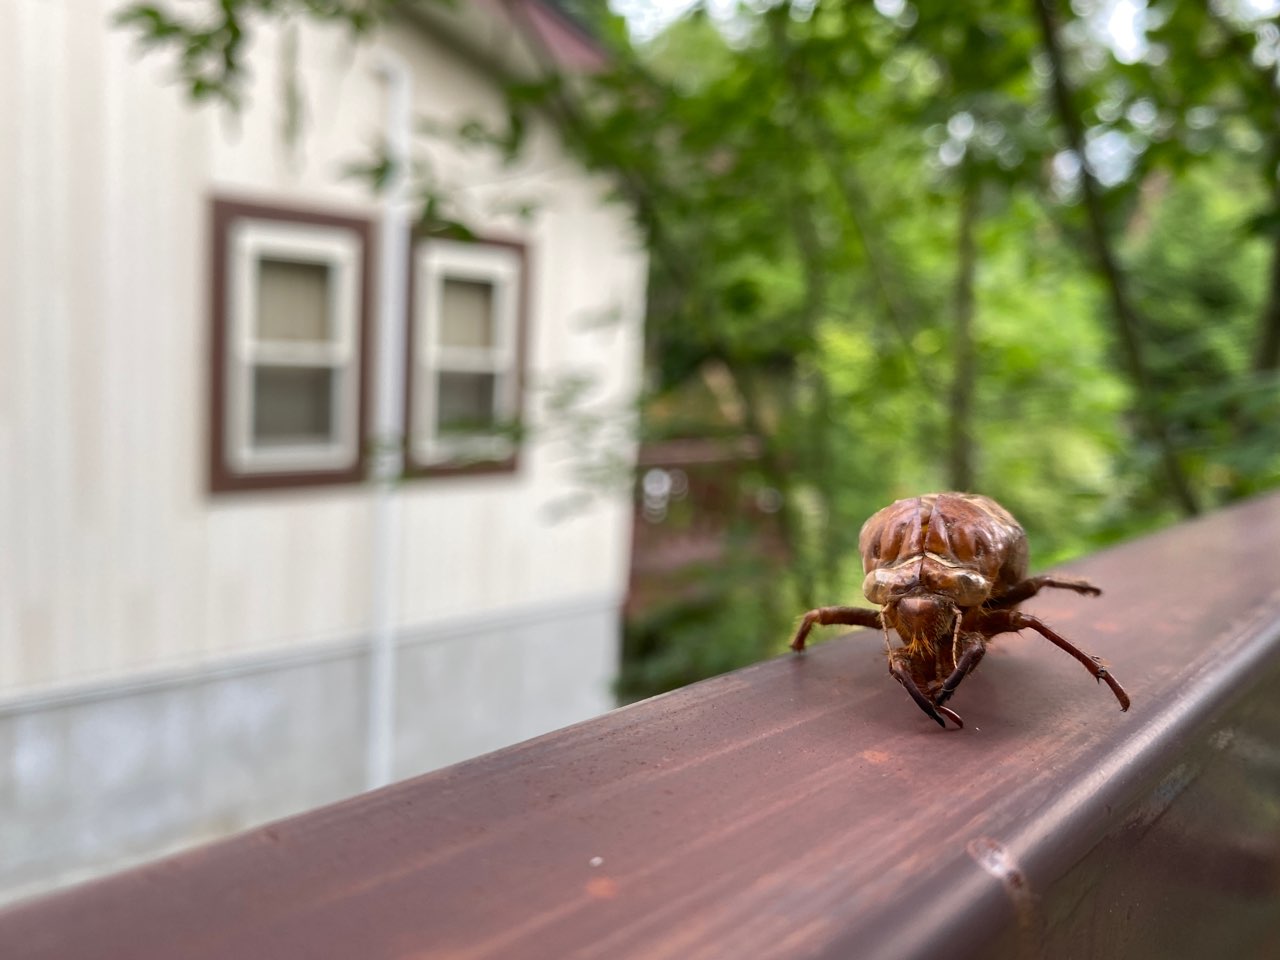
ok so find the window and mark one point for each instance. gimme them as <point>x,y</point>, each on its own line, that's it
<point>290,306</point>
<point>466,331</point>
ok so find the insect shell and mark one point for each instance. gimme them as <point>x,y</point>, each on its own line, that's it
<point>948,571</point>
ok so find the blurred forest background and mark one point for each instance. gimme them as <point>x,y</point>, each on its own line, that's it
<point>1022,247</point>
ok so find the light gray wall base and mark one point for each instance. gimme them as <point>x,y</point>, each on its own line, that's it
<point>99,779</point>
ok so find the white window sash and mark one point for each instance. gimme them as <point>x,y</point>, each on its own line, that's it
<point>434,262</point>
<point>251,241</point>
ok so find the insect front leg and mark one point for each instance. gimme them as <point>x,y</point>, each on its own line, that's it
<point>964,666</point>
<point>1028,588</point>
<point>827,616</point>
<point>1009,621</point>
<point>923,702</point>
<point>934,711</point>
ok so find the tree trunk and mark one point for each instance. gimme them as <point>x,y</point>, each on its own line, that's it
<point>1267,358</point>
<point>856,210</point>
<point>960,427</point>
<point>1125,314</point>
<point>790,521</point>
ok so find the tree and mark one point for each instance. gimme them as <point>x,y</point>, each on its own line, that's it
<point>902,247</point>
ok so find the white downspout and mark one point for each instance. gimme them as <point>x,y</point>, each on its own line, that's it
<point>388,420</point>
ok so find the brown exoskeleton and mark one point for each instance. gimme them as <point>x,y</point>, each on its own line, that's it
<point>948,571</point>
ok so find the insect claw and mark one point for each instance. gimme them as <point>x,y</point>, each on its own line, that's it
<point>921,700</point>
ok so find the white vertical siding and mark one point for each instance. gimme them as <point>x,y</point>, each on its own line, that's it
<point>113,556</point>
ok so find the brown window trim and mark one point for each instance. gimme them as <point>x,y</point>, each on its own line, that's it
<point>223,478</point>
<point>507,465</point>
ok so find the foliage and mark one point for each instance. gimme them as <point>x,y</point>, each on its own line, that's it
<point>212,41</point>
<point>907,246</point>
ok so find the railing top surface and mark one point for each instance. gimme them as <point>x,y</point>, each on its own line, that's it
<point>801,807</point>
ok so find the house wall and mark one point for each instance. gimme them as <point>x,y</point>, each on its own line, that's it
<point>175,664</point>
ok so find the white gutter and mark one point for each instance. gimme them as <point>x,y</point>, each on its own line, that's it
<point>388,420</point>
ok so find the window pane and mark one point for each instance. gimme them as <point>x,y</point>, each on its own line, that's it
<point>466,313</point>
<point>293,300</point>
<point>465,402</point>
<point>292,405</point>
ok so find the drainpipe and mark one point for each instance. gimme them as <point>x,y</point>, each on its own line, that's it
<point>388,420</point>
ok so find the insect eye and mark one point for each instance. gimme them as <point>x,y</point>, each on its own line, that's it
<point>970,587</point>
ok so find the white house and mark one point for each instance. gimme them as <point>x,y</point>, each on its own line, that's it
<point>213,343</point>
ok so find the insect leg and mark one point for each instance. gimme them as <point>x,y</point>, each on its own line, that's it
<point>955,633</point>
<point>921,700</point>
<point>824,616</point>
<point>964,666</point>
<point>950,715</point>
<point>1007,621</point>
<point>1028,588</point>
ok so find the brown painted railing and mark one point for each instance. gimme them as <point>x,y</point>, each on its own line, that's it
<point>804,807</point>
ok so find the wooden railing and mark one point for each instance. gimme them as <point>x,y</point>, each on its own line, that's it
<point>805,808</point>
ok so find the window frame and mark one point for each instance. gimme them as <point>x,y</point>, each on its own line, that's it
<point>243,234</point>
<point>505,263</point>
